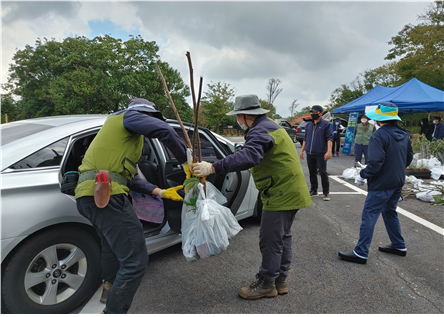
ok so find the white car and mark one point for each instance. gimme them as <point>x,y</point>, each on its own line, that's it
<point>50,253</point>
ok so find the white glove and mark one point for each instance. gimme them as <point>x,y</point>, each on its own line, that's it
<point>202,169</point>
<point>359,181</point>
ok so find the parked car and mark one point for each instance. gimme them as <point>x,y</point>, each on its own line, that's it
<point>50,253</point>
<point>291,130</point>
<point>300,130</point>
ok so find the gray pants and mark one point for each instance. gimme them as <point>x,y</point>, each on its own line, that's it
<point>275,243</point>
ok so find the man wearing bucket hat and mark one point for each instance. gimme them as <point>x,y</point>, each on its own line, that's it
<point>278,175</point>
<point>106,175</point>
<point>390,152</point>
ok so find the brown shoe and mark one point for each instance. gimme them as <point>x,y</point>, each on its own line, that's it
<point>106,288</point>
<point>281,285</point>
<point>258,289</point>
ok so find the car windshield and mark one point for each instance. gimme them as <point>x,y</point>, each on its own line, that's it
<point>15,131</point>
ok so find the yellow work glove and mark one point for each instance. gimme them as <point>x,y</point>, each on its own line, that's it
<point>202,169</point>
<point>171,193</point>
<point>187,170</point>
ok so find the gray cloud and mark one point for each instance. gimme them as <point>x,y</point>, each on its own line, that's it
<point>31,10</point>
<point>313,47</point>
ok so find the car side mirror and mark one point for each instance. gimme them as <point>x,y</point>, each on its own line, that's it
<point>238,147</point>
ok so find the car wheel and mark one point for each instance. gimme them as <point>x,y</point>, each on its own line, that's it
<point>54,272</point>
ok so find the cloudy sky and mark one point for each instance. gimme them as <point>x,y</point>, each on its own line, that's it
<point>312,47</point>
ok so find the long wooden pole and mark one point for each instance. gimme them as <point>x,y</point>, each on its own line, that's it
<point>187,139</point>
<point>199,150</point>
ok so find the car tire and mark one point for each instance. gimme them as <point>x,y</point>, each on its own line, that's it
<point>37,281</point>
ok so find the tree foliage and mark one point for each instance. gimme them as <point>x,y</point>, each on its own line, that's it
<point>268,106</point>
<point>420,48</point>
<point>215,104</point>
<point>79,75</point>
<point>9,108</point>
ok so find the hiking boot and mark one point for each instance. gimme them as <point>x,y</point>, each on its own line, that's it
<point>281,285</point>
<point>105,292</point>
<point>313,193</point>
<point>326,197</point>
<point>258,289</point>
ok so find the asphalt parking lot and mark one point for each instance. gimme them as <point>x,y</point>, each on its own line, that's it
<point>320,283</point>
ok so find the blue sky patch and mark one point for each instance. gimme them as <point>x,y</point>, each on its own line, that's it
<point>109,28</point>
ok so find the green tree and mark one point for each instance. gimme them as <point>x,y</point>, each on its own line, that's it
<point>300,113</point>
<point>420,48</point>
<point>79,75</point>
<point>215,104</point>
<point>268,106</point>
<point>9,108</point>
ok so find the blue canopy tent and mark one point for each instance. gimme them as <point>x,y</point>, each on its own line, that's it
<point>412,97</point>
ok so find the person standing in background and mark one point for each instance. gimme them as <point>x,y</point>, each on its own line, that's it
<point>425,129</point>
<point>317,143</point>
<point>363,131</point>
<point>438,129</point>
<point>337,128</point>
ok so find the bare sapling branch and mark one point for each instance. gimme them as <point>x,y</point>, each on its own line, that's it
<point>187,139</point>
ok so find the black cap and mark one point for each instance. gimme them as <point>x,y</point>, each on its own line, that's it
<point>316,108</point>
<point>144,105</point>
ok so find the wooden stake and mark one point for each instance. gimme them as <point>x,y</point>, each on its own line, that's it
<point>187,139</point>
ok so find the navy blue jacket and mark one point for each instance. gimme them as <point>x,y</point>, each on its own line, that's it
<point>137,122</point>
<point>257,142</point>
<point>316,137</point>
<point>390,152</point>
<point>439,131</point>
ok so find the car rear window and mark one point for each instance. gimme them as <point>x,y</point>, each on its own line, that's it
<point>15,131</point>
<point>50,155</point>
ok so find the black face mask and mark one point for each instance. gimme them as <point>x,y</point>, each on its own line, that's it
<point>314,116</point>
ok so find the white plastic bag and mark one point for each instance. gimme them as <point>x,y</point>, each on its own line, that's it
<point>428,195</point>
<point>207,227</point>
<point>437,171</point>
<point>350,173</point>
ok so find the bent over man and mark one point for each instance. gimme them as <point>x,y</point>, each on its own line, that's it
<point>116,149</point>
<point>277,173</point>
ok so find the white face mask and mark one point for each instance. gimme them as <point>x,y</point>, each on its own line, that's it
<point>434,122</point>
<point>243,126</point>
<point>363,120</point>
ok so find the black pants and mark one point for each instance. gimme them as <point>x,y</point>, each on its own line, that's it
<point>314,163</point>
<point>275,243</point>
<point>124,254</point>
<point>336,145</point>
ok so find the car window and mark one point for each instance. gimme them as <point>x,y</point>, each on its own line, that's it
<point>48,156</point>
<point>285,124</point>
<point>209,153</point>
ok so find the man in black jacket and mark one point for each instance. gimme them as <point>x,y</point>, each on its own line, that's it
<point>390,152</point>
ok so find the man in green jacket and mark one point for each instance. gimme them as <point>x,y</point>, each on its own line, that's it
<point>278,175</point>
<point>114,153</point>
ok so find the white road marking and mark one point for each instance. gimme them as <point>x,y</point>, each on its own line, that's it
<point>398,209</point>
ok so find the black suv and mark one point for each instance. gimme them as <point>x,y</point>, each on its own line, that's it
<point>291,129</point>
<point>300,130</point>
